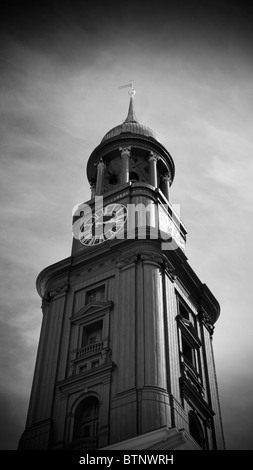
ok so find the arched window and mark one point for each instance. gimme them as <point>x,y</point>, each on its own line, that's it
<point>86,422</point>
<point>196,430</point>
<point>133,176</point>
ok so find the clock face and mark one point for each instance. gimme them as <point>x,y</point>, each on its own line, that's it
<point>102,225</point>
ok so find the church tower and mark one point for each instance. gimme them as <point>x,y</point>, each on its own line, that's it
<point>125,357</point>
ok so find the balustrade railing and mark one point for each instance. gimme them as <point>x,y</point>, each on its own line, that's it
<point>89,349</point>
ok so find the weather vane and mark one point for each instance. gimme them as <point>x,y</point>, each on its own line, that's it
<point>130,85</point>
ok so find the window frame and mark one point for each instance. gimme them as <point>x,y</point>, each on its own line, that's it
<point>94,289</point>
<point>87,329</point>
<point>200,426</point>
<point>187,334</point>
<point>88,315</point>
<point>91,422</point>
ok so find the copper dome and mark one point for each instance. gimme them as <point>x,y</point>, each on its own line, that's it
<point>130,126</point>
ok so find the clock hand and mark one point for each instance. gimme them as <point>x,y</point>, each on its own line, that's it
<point>109,221</point>
<point>104,222</point>
<point>115,219</point>
<point>112,220</point>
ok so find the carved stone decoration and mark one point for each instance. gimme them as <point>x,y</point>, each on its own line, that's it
<point>58,290</point>
<point>124,261</point>
<point>166,177</point>
<point>139,257</point>
<point>101,165</point>
<point>170,270</point>
<point>204,317</point>
<point>166,181</point>
<point>45,303</point>
<point>106,356</point>
<point>92,308</point>
<point>162,261</point>
<point>153,158</point>
<point>143,256</point>
<point>152,255</point>
<point>125,151</point>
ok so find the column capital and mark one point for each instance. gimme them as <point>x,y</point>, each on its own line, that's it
<point>101,163</point>
<point>166,177</point>
<point>153,157</point>
<point>125,151</point>
<point>93,189</point>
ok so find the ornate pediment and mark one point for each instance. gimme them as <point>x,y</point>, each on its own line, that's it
<point>92,308</point>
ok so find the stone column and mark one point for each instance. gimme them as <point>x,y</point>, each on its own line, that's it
<point>166,185</point>
<point>125,155</point>
<point>100,176</point>
<point>93,190</point>
<point>153,169</point>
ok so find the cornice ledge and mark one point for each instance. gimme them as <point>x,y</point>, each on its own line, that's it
<point>62,267</point>
<point>97,373</point>
<point>147,257</point>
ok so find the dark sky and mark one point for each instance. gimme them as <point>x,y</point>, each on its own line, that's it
<point>61,65</point>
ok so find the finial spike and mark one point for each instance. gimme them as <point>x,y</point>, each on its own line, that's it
<point>131,114</point>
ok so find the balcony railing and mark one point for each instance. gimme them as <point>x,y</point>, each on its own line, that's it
<point>87,443</point>
<point>90,349</point>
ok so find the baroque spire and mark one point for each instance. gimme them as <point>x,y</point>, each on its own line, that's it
<point>131,114</point>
